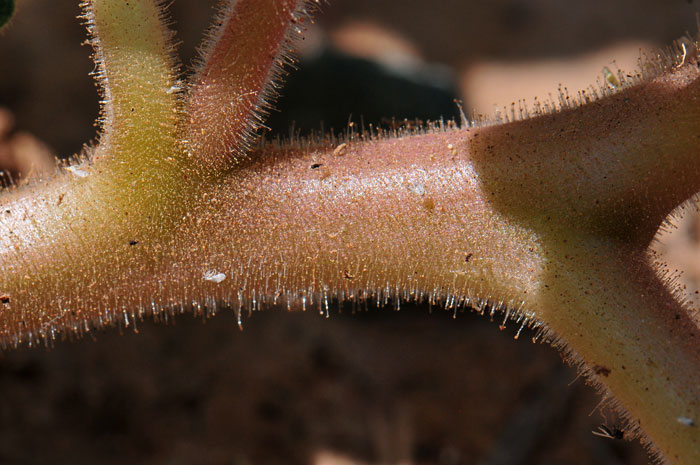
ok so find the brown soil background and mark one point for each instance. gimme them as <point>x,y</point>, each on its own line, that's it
<point>296,388</point>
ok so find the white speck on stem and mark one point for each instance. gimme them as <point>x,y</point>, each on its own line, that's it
<point>76,171</point>
<point>214,276</point>
<point>417,188</point>
<point>452,149</point>
<point>340,150</point>
<point>685,421</point>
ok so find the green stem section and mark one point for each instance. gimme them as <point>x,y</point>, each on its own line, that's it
<point>139,152</point>
<point>73,238</point>
<point>607,305</point>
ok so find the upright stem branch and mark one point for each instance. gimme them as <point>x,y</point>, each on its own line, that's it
<point>235,85</point>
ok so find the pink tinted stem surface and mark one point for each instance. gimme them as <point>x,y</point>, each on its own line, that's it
<point>230,93</point>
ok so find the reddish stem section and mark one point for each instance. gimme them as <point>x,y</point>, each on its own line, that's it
<point>395,218</point>
<point>227,101</point>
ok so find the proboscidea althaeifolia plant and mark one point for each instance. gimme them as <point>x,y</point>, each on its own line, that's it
<point>545,217</point>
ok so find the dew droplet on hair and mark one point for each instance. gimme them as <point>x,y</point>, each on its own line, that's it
<point>610,78</point>
<point>502,326</point>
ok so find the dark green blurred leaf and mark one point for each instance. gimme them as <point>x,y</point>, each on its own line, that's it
<point>7,7</point>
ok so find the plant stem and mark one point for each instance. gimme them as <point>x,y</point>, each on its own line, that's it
<point>235,85</point>
<point>607,305</point>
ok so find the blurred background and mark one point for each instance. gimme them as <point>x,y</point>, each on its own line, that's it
<point>379,387</point>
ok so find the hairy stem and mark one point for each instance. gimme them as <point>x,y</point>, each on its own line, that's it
<point>76,236</point>
<point>139,159</point>
<point>304,228</point>
<point>616,167</point>
<point>547,219</point>
<point>295,225</point>
<point>244,55</point>
<point>605,303</point>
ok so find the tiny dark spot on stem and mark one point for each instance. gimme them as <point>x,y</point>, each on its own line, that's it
<point>316,165</point>
<point>4,298</point>
<point>601,370</point>
<point>469,255</point>
<point>133,242</point>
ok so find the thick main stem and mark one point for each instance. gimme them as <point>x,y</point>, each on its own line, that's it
<point>305,227</point>
<point>295,226</point>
